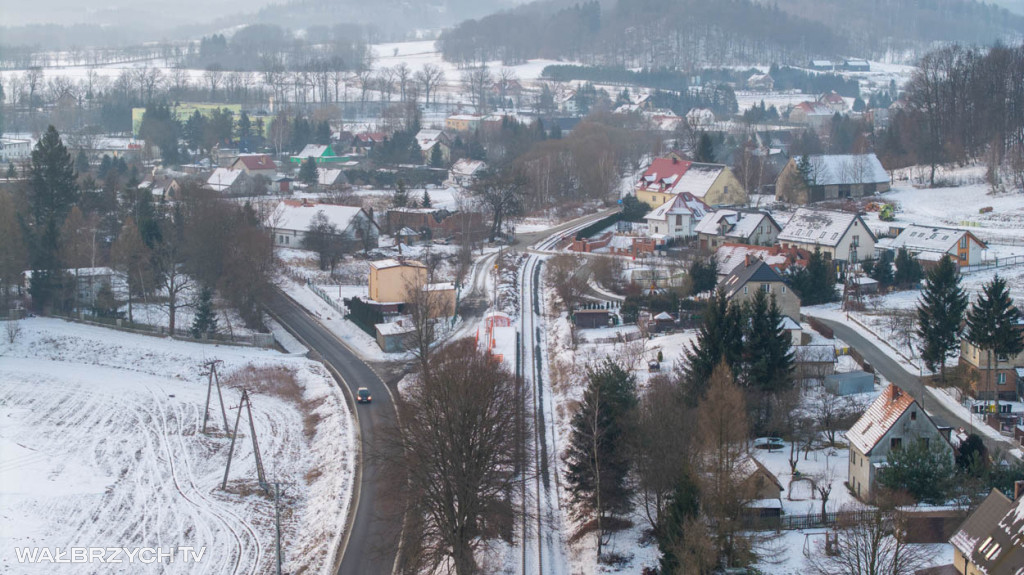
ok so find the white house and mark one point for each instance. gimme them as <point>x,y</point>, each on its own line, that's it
<point>290,221</point>
<point>964,247</point>
<point>841,236</point>
<point>676,218</point>
<point>893,420</point>
<point>753,228</point>
<point>223,179</point>
<point>14,149</point>
<point>464,172</point>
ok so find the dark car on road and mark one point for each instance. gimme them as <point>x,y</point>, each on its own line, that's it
<point>363,395</point>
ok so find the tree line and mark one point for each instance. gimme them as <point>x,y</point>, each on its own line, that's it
<point>60,220</point>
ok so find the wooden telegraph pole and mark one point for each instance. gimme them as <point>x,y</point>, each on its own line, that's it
<point>212,377</point>
<point>260,475</point>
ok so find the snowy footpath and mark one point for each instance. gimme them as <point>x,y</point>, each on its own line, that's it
<point>101,446</point>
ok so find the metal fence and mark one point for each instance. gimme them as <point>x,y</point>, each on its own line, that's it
<point>993,264</point>
<point>323,295</point>
<point>796,522</point>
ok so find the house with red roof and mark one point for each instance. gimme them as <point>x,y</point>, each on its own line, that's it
<point>255,165</point>
<point>713,184</point>
<point>893,420</point>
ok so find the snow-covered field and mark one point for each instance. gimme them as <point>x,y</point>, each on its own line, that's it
<point>420,53</point>
<point>101,444</point>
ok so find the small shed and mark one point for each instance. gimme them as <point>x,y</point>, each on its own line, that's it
<point>664,320</point>
<point>591,318</point>
<point>391,337</point>
<point>864,284</point>
<point>850,383</point>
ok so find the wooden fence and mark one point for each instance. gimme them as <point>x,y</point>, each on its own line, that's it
<point>795,522</point>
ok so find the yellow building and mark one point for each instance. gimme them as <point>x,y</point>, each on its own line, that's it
<point>391,282</point>
<point>462,122</point>
<point>714,184</point>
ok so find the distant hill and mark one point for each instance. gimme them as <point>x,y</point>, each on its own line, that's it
<point>689,33</point>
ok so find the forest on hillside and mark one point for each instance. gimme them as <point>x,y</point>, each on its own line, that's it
<point>685,34</point>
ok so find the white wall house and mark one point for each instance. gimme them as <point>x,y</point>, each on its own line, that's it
<point>841,236</point>
<point>291,220</point>
<point>677,218</point>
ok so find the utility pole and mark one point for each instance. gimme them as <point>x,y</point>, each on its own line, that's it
<point>260,475</point>
<point>213,377</point>
<point>277,520</point>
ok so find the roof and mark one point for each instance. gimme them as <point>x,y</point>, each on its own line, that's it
<point>329,177</point>
<point>929,239</point>
<point>790,324</point>
<point>393,328</point>
<point>756,271</point>
<point>833,170</point>
<point>663,173</point>
<point>731,255</point>
<point>684,203</point>
<point>256,162</point>
<point>222,179</point>
<point>823,227</point>
<point>749,465</point>
<point>392,263</point>
<point>699,178</point>
<point>315,151</point>
<point>293,215</point>
<point>815,108</point>
<point>467,167</point>
<point>983,536</point>
<point>428,138</point>
<point>814,354</point>
<point>733,223</point>
<point>881,415</point>
<point>467,117</point>
<point>440,286</point>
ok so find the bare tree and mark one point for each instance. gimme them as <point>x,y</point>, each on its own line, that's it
<point>823,482</point>
<point>875,546</point>
<point>12,327</point>
<point>832,413</point>
<point>476,81</point>
<point>403,75</point>
<point>386,83</point>
<point>453,454</point>
<point>428,309</point>
<point>430,77</point>
<point>213,76</point>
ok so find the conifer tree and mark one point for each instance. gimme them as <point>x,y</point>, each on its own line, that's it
<point>11,171</point>
<point>881,272</point>
<point>401,197</point>
<point>682,509</point>
<point>939,313</point>
<point>908,269</point>
<point>993,325</point>
<point>768,357</point>
<point>51,193</point>
<point>308,172</point>
<point>205,321</point>
<point>426,203</point>
<point>705,151</point>
<point>720,336</point>
<point>597,457</point>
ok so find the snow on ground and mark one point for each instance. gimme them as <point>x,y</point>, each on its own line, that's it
<point>958,207</point>
<point>420,53</point>
<point>787,554</point>
<point>824,465</point>
<point>101,443</point>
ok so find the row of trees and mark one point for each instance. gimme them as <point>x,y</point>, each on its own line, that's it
<point>59,222</point>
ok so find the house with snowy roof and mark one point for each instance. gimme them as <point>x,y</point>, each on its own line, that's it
<point>738,226</point>
<point>932,243</point>
<point>841,236</point>
<point>321,154</point>
<point>834,101</point>
<point>713,184</point>
<point>223,180</point>
<point>754,275</point>
<point>1000,377</point>
<point>761,83</point>
<point>814,115</point>
<point>831,177</point>
<point>255,165</point>
<point>291,220</point>
<point>990,540</point>
<point>893,420</point>
<point>464,172</point>
<point>676,218</point>
<point>730,255</point>
<point>427,140</point>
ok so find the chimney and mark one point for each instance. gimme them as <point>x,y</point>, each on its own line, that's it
<point>746,260</point>
<point>1018,490</point>
<point>675,160</point>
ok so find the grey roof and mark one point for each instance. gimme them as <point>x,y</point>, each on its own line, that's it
<point>991,536</point>
<point>819,227</point>
<point>928,239</point>
<point>757,272</point>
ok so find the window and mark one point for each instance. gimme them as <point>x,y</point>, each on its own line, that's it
<point>744,289</point>
<point>679,219</point>
<point>895,443</point>
<point>783,289</point>
<point>1001,379</point>
<point>766,288</point>
<point>963,243</point>
<point>856,241</point>
<point>963,257</point>
<point>913,416</point>
<point>924,442</point>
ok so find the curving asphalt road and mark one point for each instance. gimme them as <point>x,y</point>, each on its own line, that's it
<point>371,544</point>
<point>911,383</point>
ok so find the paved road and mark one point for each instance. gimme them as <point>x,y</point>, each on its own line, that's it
<point>911,383</point>
<point>372,543</point>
